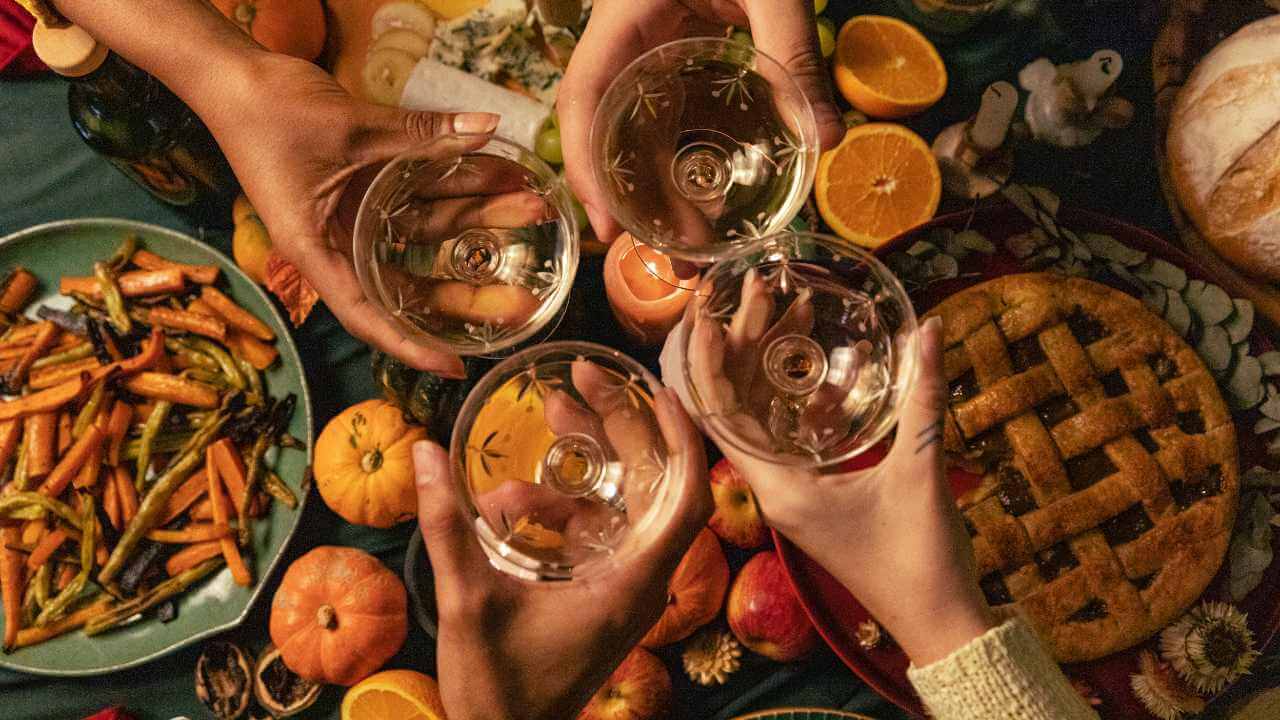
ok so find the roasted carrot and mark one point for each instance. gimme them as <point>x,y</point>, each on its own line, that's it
<point>45,549</point>
<point>64,432</point>
<point>192,555</point>
<point>11,352</point>
<point>193,533</point>
<point>87,477</point>
<point>111,502</point>
<point>203,509</point>
<point>191,490</point>
<point>20,334</point>
<point>33,531</point>
<point>230,470</point>
<point>239,572</point>
<point>10,434</point>
<point>127,492</point>
<point>43,401</point>
<point>69,466</point>
<point>41,436</point>
<point>139,283</point>
<point>180,391</point>
<point>18,289</point>
<point>44,339</point>
<point>47,377</point>
<point>211,327</point>
<point>259,354</point>
<point>202,274</point>
<point>12,584</point>
<point>117,430</point>
<point>150,356</point>
<point>76,620</point>
<point>65,575</point>
<point>235,315</point>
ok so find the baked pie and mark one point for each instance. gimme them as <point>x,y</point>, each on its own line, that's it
<point>1110,471</point>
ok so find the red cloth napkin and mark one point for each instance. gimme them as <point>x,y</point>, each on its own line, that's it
<point>16,55</point>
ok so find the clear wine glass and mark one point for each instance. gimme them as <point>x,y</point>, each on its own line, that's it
<point>802,352</point>
<point>561,460</point>
<point>703,146</point>
<point>469,243</point>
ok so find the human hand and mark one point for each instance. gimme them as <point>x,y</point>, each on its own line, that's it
<point>621,30</point>
<point>519,650</point>
<point>891,534</point>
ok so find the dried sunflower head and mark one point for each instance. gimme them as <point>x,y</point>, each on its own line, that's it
<point>711,657</point>
<point>1210,647</point>
<point>1161,691</point>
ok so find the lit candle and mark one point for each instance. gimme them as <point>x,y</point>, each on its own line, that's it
<point>646,294</point>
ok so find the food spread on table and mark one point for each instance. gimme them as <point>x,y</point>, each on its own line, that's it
<point>1114,406</point>
<point>139,426</point>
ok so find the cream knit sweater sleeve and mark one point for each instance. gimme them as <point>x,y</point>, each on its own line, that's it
<point>1005,674</point>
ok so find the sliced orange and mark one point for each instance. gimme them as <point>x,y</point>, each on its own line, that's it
<point>399,694</point>
<point>880,181</point>
<point>886,68</point>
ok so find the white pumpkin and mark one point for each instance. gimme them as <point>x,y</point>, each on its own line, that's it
<point>1224,148</point>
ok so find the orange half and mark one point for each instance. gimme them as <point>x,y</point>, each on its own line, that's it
<point>886,68</point>
<point>880,181</point>
<point>400,694</point>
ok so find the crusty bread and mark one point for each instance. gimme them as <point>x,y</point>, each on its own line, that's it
<point>1224,148</point>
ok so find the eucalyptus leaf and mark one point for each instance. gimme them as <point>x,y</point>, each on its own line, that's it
<point>953,247</point>
<point>1250,554</point>
<point>1245,384</point>
<point>1271,408</point>
<point>1192,290</point>
<point>922,249</point>
<point>1078,246</point>
<point>1176,313</point>
<point>1240,324</point>
<point>976,241</point>
<point>1270,363</point>
<point>1156,301</point>
<point>1108,248</point>
<point>1211,305</point>
<point>1039,204</point>
<point>1215,348</point>
<point>944,266</point>
<point>1265,425</point>
<point>1163,273</point>
<point>1260,478</point>
<point>1127,277</point>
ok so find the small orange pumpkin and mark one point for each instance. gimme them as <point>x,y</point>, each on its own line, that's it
<point>292,27</point>
<point>338,616</point>
<point>364,464</point>
<point>695,593</point>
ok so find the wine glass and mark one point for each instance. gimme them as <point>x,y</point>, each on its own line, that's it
<point>801,353</point>
<point>561,460</point>
<point>703,146</point>
<point>469,243</point>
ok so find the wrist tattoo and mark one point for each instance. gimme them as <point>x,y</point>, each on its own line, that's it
<point>931,435</point>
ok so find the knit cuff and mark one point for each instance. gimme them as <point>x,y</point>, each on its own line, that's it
<point>1004,674</point>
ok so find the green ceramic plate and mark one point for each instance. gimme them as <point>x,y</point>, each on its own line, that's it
<point>70,247</point>
<point>803,714</point>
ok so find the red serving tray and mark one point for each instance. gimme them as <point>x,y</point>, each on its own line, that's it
<point>837,614</point>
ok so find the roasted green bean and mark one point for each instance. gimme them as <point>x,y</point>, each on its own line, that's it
<point>89,413</point>
<point>111,296</point>
<point>276,487</point>
<point>194,357</point>
<point>154,422</point>
<point>124,253</point>
<point>75,352</point>
<point>225,362</point>
<point>60,604</point>
<point>175,585</point>
<point>256,394</point>
<point>17,500</point>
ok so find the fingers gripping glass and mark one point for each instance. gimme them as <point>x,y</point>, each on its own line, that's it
<point>561,459</point>
<point>469,243</point>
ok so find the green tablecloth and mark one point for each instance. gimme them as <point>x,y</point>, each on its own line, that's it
<point>46,174</point>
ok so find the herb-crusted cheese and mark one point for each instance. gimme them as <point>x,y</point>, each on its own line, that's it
<point>496,42</point>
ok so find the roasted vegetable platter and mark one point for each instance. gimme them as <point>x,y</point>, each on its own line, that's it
<point>153,396</point>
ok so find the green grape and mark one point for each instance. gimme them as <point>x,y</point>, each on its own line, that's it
<point>548,145</point>
<point>819,6</point>
<point>742,36</point>
<point>827,36</point>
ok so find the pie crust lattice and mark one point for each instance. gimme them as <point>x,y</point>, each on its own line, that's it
<point>1109,458</point>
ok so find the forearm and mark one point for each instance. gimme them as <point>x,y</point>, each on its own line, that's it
<point>186,44</point>
<point>1005,674</point>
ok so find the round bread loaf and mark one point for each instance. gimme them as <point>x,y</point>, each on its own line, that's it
<point>1224,148</point>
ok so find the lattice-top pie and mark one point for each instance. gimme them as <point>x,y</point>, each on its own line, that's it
<point>1109,457</point>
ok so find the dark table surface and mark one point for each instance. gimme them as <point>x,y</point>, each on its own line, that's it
<point>46,174</point>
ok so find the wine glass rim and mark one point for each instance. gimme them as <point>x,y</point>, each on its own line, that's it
<point>511,559</point>
<point>368,274</point>
<point>905,383</point>
<point>724,246</point>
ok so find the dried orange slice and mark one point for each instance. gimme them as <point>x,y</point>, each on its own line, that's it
<point>401,694</point>
<point>880,181</point>
<point>886,68</point>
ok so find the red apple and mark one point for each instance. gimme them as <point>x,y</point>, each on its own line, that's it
<point>695,593</point>
<point>737,516</point>
<point>765,614</point>
<point>640,689</point>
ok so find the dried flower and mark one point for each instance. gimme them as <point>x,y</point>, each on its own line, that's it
<point>1086,691</point>
<point>869,634</point>
<point>1161,691</point>
<point>295,291</point>
<point>711,657</point>
<point>1210,647</point>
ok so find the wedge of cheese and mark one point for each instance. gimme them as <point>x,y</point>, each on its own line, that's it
<point>435,86</point>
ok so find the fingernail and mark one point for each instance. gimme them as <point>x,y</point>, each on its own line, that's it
<point>422,461</point>
<point>475,122</point>
<point>450,367</point>
<point>933,324</point>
